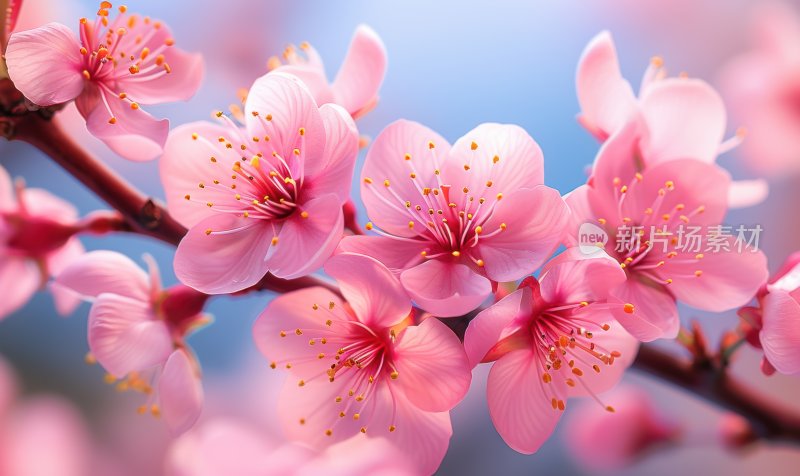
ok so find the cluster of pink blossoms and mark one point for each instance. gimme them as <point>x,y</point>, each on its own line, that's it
<point>373,367</point>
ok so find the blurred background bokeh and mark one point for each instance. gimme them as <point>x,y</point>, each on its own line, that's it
<point>452,65</point>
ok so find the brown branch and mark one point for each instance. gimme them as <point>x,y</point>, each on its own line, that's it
<point>769,420</point>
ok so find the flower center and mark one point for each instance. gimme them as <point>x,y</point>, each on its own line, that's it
<point>118,50</point>
<point>350,353</point>
<point>35,237</point>
<point>452,220</point>
<point>668,227</point>
<point>563,343</point>
<point>259,185</point>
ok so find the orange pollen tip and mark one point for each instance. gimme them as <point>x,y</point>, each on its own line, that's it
<point>134,106</point>
<point>628,308</point>
<point>304,214</point>
<point>480,263</point>
<point>394,375</point>
<point>431,145</point>
<point>208,231</point>
<point>456,253</point>
<point>86,74</point>
<point>473,146</point>
<point>368,226</point>
<point>113,120</point>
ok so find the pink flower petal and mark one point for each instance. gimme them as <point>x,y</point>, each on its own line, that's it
<point>728,280</point>
<point>614,339</point>
<point>99,272</point>
<point>495,323</point>
<point>45,64</point>
<point>386,162</point>
<point>433,370</point>
<point>575,277</point>
<point>221,446</point>
<point>341,150</point>
<point>655,314</point>
<point>41,203</point>
<point>580,212</point>
<point>65,300</point>
<point>521,410</point>
<point>313,77</point>
<point>284,106</point>
<point>19,278</point>
<point>374,293</point>
<point>746,193</point>
<point>186,164</point>
<point>503,153</point>
<point>289,312</point>
<point>445,289</point>
<point>125,336</point>
<point>358,455</point>
<point>362,72</point>
<point>305,243</point>
<point>234,256</point>
<point>606,98</point>
<point>180,392</point>
<point>686,118</point>
<point>780,336</point>
<point>134,134</point>
<point>183,81</point>
<point>397,255</point>
<point>696,184</point>
<point>536,220</point>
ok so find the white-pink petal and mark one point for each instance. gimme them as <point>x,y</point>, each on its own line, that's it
<point>45,64</point>
<point>180,392</point>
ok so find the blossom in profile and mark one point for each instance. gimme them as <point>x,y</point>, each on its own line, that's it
<point>37,240</point>
<point>553,338</point>
<point>228,446</point>
<point>664,227</point>
<point>682,118</point>
<point>774,324</point>
<point>453,221</point>
<point>360,366</point>
<point>600,440</point>
<point>356,85</point>
<point>112,68</point>
<point>763,87</point>
<point>137,332</point>
<point>264,198</point>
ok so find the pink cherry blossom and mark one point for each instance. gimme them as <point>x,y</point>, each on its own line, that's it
<point>600,440</point>
<point>265,199</point>
<point>454,221</point>
<point>137,331</point>
<point>763,87</point>
<point>113,67</point>
<point>683,118</point>
<point>774,326</point>
<point>664,200</point>
<point>36,241</point>
<point>358,80</point>
<point>551,339</point>
<point>362,366</point>
<point>227,446</point>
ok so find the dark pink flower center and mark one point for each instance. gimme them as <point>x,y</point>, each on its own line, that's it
<point>36,237</point>
<point>453,220</point>
<point>636,251</point>
<point>259,185</point>
<point>117,51</point>
<point>351,354</point>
